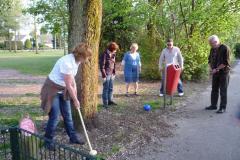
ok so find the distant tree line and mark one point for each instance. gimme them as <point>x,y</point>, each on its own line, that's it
<point>150,23</point>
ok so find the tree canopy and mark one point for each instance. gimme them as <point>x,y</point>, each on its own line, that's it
<point>151,22</point>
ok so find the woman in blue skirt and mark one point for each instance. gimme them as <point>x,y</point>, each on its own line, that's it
<point>132,68</point>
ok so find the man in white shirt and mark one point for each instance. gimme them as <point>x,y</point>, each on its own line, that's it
<point>171,55</point>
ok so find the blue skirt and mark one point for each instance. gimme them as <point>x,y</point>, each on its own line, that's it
<point>131,74</point>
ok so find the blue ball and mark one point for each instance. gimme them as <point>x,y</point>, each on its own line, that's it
<point>147,107</point>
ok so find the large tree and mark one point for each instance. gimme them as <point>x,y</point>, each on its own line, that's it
<point>85,18</point>
<point>10,12</point>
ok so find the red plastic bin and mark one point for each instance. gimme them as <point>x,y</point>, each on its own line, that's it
<point>173,75</point>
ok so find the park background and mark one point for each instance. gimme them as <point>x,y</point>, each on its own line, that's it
<point>146,22</point>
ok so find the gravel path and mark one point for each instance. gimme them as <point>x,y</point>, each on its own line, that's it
<point>201,134</point>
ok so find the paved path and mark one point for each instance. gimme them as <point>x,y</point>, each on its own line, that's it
<point>205,135</point>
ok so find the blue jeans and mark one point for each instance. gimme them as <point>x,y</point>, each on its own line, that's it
<point>179,87</point>
<point>107,94</point>
<point>62,106</point>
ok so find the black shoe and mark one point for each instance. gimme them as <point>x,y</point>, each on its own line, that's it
<point>136,94</point>
<point>50,146</point>
<point>127,95</point>
<point>211,108</point>
<point>111,103</point>
<point>77,140</point>
<point>220,111</point>
<point>105,106</point>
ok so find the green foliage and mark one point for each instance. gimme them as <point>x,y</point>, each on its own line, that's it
<point>149,57</point>
<point>28,44</point>
<point>237,50</point>
<point>11,45</point>
<point>54,14</point>
<point>189,23</point>
<point>150,23</point>
<point>9,13</point>
<point>2,46</point>
<point>121,23</point>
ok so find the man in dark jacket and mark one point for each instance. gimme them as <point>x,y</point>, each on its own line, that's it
<point>219,64</point>
<point>107,67</point>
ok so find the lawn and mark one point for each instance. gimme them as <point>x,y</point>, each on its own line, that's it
<point>29,62</point>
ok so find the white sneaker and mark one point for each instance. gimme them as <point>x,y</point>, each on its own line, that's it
<point>161,95</point>
<point>181,94</point>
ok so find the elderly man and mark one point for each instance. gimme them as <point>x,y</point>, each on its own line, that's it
<point>219,64</point>
<point>171,55</point>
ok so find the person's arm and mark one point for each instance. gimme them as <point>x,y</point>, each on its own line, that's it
<point>161,59</point>
<point>139,63</point>
<point>209,61</point>
<point>180,59</point>
<point>114,69</point>
<point>75,86</point>
<point>102,65</point>
<point>224,60</point>
<point>71,88</point>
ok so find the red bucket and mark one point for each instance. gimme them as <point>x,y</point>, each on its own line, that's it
<point>173,75</point>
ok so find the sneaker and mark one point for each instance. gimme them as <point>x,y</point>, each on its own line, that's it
<point>50,146</point>
<point>181,94</point>
<point>221,111</point>
<point>111,103</point>
<point>161,95</point>
<point>105,106</point>
<point>211,108</point>
<point>136,94</point>
<point>77,140</point>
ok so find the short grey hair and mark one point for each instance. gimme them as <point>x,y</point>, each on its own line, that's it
<point>213,38</point>
<point>135,45</point>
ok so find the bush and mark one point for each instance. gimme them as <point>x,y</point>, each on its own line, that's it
<point>195,53</point>
<point>150,57</point>
<point>28,44</point>
<point>237,50</point>
<point>12,44</point>
<point>2,46</point>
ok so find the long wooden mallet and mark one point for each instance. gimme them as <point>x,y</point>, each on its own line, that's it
<point>92,152</point>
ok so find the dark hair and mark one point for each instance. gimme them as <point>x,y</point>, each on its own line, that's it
<point>82,50</point>
<point>112,46</point>
<point>169,40</point>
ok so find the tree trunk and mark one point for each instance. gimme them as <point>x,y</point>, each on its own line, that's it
<point>10,41</point>
<point>85,26</point>
<point>55,41</point>
<point>36,36</point>
<point>15,41</point>
<point>192,25</point>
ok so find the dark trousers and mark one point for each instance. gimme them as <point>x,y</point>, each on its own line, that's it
<point>220,82</point>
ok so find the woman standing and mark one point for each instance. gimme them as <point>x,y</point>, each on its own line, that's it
<point>108,70</point>
<point>57,91</point>
<point>132,68</point>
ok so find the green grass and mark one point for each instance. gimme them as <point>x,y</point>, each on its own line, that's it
<point>12,110</point>
<point>29,62</point>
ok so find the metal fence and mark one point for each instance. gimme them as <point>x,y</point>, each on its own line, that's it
<point>19,144</point>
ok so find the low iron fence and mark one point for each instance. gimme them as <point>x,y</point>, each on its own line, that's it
<point>19,144</point>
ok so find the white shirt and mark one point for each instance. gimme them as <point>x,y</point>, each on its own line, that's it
<point>64,65</point>
<point>173,56</point>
